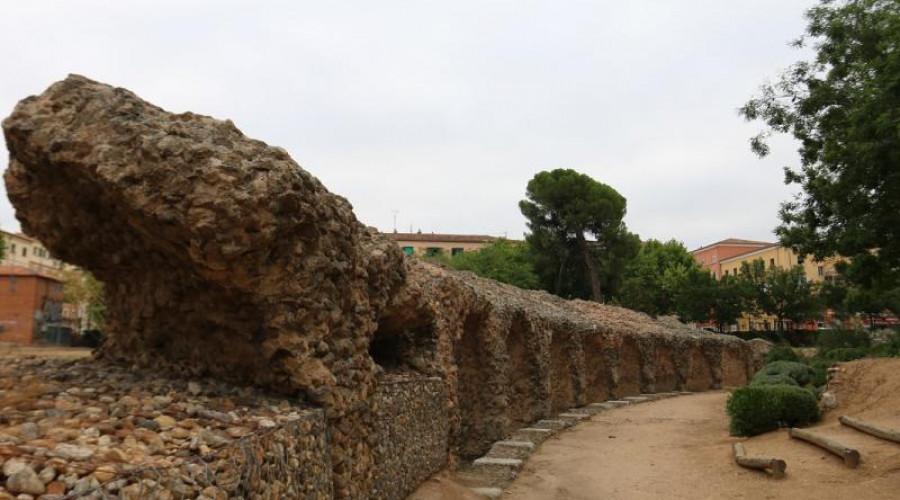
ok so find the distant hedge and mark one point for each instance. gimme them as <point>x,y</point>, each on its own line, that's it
<point>756,409</point>
<point>783,352</point>
<point>773,379</point>
<point>801,373</point>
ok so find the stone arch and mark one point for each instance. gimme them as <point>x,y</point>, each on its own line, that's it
<point>524,374</point>
<point>597,386</point>
<point>734,365</point>
<point>700,378</point>
<point>666,376</point>
<point>563,387</point>
<point>630,368</point>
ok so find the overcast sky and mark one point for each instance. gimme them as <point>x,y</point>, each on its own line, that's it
<point>443,111</point>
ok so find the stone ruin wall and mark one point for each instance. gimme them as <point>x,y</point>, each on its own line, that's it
<point>224,258</point>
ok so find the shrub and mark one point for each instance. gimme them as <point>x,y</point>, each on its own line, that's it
<point>835,339</point>
<point>773,379</point>
<point>782,353</point>
<point>801,373</point>
<point>756,409</point>
<point>890,349</point>
<point>845,354</point>
<point>820,371</point>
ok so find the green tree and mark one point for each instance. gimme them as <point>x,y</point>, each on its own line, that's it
<point>561,268</point>
<point>694,292</point>
<point>83,289</point>
<point>783,293</point>
<point>728,302</point>
<point>502,260</point>
<point>655,275</point>
<point>843,106</point>
<point>564,207</point>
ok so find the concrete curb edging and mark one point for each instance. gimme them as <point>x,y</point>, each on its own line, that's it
<point>492,473</point>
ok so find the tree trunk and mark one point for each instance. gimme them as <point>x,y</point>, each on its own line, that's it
<point>591,266</point>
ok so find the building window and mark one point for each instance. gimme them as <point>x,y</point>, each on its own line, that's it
<point>12,249</point>
<point>800,260</point>
<point>24,251</point>
<point>433,251</point>
<point>456,251</point>
<point>821,270</point>
<point>409,250</point>
<point>13,282</point>
<point>771,263</point>
<point>715,258</point>
<point>726,272</point>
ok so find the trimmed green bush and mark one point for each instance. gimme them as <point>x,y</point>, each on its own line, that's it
<point>820,371</point>
<point>801,373</point>
<point>845,354</point>
<point>782,353</point>
<point>770,379</point>
<point>756,409</point>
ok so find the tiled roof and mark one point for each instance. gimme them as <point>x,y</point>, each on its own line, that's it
<point>443,238</point>
<point>748,252</point>
<point>736,241</point>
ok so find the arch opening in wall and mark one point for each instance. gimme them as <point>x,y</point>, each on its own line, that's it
<point>405,343</point>
<point>473,377</point>
<point>523,375</point>
<point>562,373</point>
<point>630,367</point>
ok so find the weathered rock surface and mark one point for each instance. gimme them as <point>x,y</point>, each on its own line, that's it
<point>223,258</point>
<point>220,255</point>
<point>88,442</point>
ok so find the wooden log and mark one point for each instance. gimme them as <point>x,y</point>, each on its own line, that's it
<point>880,432</point>
<point>850,455</point>
<point>776,465</point>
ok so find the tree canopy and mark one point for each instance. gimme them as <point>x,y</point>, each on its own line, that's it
<point>843,106</point>
<point>563,208</point>
<point>502,260</point>
<point>654,276</point>
<point>783,293</point>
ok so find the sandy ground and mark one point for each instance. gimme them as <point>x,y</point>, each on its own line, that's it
<point>10,350</point>
<point>680,448</point>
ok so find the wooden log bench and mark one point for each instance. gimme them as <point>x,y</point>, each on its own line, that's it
<point>850,455</point>
<point>874,430</point>
<point>776,465</point>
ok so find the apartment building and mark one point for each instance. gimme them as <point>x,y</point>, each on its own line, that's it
<point>434,244</point>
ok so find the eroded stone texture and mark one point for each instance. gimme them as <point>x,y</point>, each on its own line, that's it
<point>219,253</point>
<point>222,257</point>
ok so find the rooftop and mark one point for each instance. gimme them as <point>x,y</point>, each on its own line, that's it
<point>446,238</point>
<point>736,242</point>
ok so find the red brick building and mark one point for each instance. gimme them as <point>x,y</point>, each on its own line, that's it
<point>30,305</point>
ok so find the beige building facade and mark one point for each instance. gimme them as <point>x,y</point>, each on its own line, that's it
<point>785,258</point>
<point>25,251</point>
<point>431,244</point>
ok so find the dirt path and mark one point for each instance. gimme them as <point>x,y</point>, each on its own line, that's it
<point>10,350</point>
<point>679,448</point>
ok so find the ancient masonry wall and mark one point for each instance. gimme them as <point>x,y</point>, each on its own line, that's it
<point>222,257</point>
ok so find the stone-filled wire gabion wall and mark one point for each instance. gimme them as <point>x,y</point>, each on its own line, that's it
<point>414,430</point>
<point>289,461</point>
